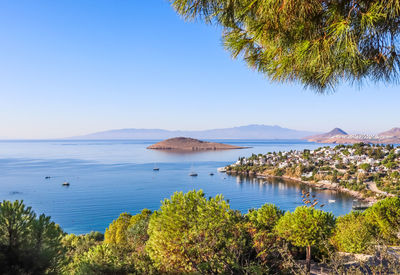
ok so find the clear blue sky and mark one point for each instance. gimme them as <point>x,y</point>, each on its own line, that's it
<point>71,67</point>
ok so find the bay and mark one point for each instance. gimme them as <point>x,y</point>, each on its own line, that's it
<point>108,177</point>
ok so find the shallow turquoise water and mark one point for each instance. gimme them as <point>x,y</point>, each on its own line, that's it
<point>110,177</point>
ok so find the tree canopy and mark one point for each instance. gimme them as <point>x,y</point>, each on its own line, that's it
<point>191,233</point>
<point>306,227</point>
<point>28,244</point>
<point>385,214</point>
<point>317,43</point>
<point>353,233</point>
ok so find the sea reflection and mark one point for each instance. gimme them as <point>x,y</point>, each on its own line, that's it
<point>287,193</point>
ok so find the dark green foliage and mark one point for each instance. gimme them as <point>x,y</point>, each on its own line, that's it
<point>195,235</point>
<point>28,244</point>
<point>317,43</point>
<point>191,233</point>
<point>77,245</point>
<point>306,227</point>
<point>261,227</point>
<point>266,217</point>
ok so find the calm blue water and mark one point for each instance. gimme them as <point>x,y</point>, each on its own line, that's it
<point>110,177</point>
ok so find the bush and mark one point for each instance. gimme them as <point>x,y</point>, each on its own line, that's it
<point>306,227</point>
<point>193,234</point>
<point>385,215</point>
<point>353,233</point>
<point>101,259</point>
<point>28,244</point>
<point>261,228</point>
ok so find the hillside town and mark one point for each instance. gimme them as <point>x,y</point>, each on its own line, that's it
<point>370,171</point>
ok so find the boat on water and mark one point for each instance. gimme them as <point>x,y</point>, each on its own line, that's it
<point>47,177</point>
<point>156,169</point>
<point>211,174</point>
<point>331,201</point>
<point>192,173</point>
<point>359,205</point>
<point>221,169</point>
<point>65,183</point>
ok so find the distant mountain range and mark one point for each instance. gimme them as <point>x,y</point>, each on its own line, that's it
<point>242,132</point>
<point>337,135</point>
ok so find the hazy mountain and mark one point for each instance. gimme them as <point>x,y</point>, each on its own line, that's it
<point>337,135</point>
<point>325,136</point>
<point>394,132</point>
<point>242,132</point>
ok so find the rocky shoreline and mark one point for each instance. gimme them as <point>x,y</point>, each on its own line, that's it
<point>326,186</point>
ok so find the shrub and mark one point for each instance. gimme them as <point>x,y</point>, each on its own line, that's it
<point>191,233</point>
<point>353,233</point>
<point>385,215</point>
<point>306,227</point>
<point>28,244</point>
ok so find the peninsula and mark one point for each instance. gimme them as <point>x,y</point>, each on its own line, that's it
<point>191,144</point>
<point>365,171</point>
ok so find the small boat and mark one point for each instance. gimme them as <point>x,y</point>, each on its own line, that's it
<point>360,205</point>
<point>211,174</point>
<point>331,201</point>
<point>192,173</point>
<point>65,183</point>
<point>47,177</point>
<point>156,169</point>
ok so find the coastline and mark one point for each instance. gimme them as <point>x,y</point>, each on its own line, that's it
<point>328,186</point>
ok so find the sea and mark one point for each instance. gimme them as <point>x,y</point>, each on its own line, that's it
<point>108,177</point>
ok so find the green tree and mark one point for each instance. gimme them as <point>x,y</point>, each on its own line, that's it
<point>77,245</point>
<point>99,260</point>
<point>116,232</point>
<point>28,244</point>
<point>137,231</point>
<point>385,215</point>
<point>306,227</point>
<point>317,43</point>
<point>365,166</point>
<point>191,233</point>
<point>262,223</point>
<point>353,233</point>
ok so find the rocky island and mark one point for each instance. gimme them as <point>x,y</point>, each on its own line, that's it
<point>191,144</point>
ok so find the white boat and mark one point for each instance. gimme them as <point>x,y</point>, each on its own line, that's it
<point>156,169</point>
<point>221,169</point>
<point>331,201</point>
<point>65,183</point>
